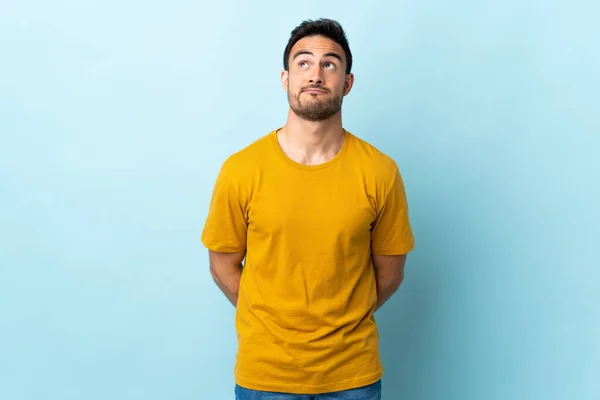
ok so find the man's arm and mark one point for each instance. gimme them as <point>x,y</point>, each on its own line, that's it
<point>226,270</point>
<point>389,274</point>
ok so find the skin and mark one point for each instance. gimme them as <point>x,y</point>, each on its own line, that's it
<point>226,271</point>
<point>316,84</point>
<point>315,61</point>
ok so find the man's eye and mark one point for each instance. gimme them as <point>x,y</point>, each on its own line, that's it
<point>329,65</point>
<point>302,64</point>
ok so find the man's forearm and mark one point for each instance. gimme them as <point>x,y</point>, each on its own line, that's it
<point>229,282</point>
<point>386,287</point>
<point>389,274</point>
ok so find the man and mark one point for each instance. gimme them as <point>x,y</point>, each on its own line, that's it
<point>321,219</point>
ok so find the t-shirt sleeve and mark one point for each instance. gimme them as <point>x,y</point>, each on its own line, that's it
<point>392,233</point>
<point>226,223</point>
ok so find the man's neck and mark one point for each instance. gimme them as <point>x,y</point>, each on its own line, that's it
<point>311,143</point>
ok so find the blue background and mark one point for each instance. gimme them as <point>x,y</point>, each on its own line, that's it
<point>116,116</point>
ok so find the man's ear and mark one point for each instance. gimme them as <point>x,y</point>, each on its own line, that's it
<point>285,80</point>
<point>348,83</point>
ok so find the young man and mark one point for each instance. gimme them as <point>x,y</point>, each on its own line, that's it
<point>321,219</point>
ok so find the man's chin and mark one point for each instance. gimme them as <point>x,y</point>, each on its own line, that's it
<point>313,114</point>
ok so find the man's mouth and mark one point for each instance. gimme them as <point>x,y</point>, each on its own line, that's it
<point>314,91</point>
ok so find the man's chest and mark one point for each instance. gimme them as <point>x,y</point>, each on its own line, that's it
<point>307,211</point>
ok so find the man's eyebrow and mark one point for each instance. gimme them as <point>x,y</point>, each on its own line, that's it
<point>335,55</point>
<point>331,54</point>
<point>299,53</point>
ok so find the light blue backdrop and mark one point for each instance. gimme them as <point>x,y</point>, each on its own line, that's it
<point>115,118</point>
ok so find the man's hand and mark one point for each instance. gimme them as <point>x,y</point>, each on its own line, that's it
<point>226,270</point>
<point>389,273</point>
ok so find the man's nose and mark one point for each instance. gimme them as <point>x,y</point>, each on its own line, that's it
<point>316,76</point>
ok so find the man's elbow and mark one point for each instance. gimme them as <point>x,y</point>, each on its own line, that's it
<point>214,274</point>
<point>397,281</point>
<point>227,285</point>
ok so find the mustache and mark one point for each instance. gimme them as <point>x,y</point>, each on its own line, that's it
<point>319,87</point>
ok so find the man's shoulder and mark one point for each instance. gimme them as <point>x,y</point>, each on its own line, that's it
<point>374,159</point>
<point>249,155</point>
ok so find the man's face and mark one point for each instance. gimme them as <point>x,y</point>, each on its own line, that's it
<point>316,81</point>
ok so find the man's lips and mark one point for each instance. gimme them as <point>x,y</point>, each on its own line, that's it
<point>314,91</point>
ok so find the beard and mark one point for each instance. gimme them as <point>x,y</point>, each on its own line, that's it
<point>315,108</point>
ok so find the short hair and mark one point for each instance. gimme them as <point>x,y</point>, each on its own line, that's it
<point>322,27</point>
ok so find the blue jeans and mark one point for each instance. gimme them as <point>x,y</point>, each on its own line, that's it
<point>370,392</point>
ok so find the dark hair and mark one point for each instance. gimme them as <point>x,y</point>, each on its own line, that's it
<point>323,27</point>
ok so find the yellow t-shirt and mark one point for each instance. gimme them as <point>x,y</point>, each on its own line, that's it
<point>304,316</point>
